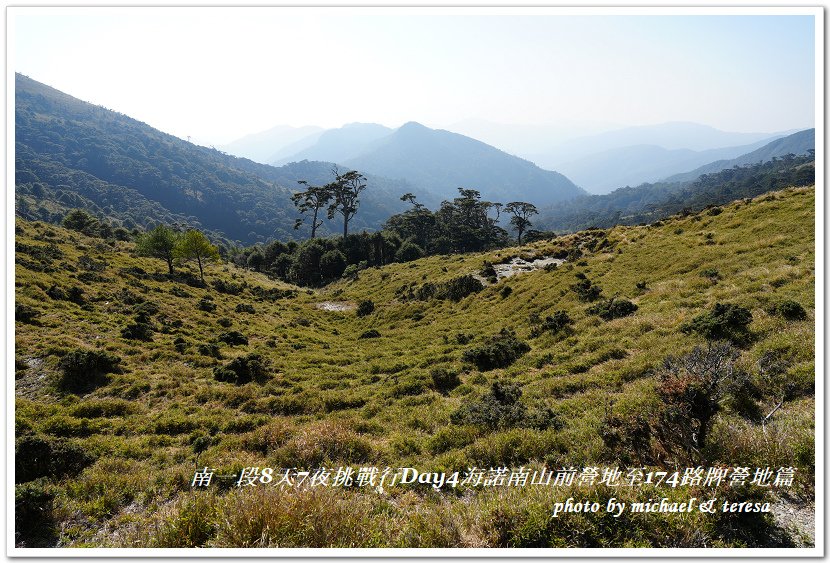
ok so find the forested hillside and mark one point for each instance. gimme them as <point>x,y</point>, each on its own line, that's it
<point>650,202</point>
<point>70,154</point>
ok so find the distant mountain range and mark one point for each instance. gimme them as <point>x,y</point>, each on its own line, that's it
<point>443,161</point>
<point>798,143</point>
<point>338,145</point>
<point>259,147</point>
<point>781,163</point>
<point>598,163</point>
<point>71,154</point>
<point>632,165</point>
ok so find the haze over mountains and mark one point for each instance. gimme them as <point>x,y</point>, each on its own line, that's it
<point>71,154</point>
<point>598,163</point>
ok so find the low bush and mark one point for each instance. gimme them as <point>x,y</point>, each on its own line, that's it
<point>458,288</point>
<point>37,456</point>
<point>365,308</point>
<point>243,369</point>
<point>206,304</point>
<point>233,338</point>
<point>554,323</point>
<point>209,349</point>
<point>790,310</point>
<point>34,524</point>
<point>726,321</point>
<point>613,308</point>
<point>138,331</point>
<point>585,289</point>
<point>369,334</point>
<point>499,408</point>
<point>25,314</point>
<point>498,351</point>
<point>245,308</point>
<point>84,369</point>
<point>444,380</point>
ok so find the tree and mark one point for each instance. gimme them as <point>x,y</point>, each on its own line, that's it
<point>193,245</point>
<point>81,221</point>
<point>158,243</point>
<point>312,200</point>
<point>521,216</point>
<point>345,191</point>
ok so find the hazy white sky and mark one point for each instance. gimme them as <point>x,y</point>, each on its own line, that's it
<point>217,74</point>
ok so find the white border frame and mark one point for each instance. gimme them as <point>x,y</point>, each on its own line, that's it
<point>460,9</point>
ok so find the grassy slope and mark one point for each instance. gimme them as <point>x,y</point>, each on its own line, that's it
<point>336,398</point>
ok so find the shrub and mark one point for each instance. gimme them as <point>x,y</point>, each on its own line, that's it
<point>321,442</point>
<point>138,331</point>
<point>369,334</point>
<point>25,314</point>
<point>458,288</point>
<point>613,308</point>
<point>499,351</point>
<point>76,295</point>
<point>691,389</point>
<point>224,322</point>
<point>463,339</point>
<point>408,252</point>
<point>725,321</point>
<point>56,293</point>
<point>209,349</point>
<point>365,308</point>
<point>243,369</point>
<point>554,323</point>
<point>505,292</point>
<point>501,408</point>
<point>626,439</point>
<point>83,369</point>
<point>488,272</point>
<point>33,520</point>
<point>351,272</point>
<point>206,304</point>
<point>790,310</point>
<point>233,338</point>
<point>585,289</point>
<point>245,308</point>
<point>710,273</point>
<point>37,456</point>
<point>444,380</point>
<point>229,288</point>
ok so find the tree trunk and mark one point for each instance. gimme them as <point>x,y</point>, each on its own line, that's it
<point>201,273</point>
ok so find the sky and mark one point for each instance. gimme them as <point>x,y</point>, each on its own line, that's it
<point>218,74</point>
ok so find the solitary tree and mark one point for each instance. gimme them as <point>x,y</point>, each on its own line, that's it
<point>193,245</point>
<point>158,243</point>
<point>312,200</point>
<point>345,191</point>
<point>521,216</point>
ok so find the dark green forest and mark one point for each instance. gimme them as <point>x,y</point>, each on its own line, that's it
<point>652,202</point>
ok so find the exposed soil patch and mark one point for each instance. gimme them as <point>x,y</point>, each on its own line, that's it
<point>518,266</point>
<point>336,306</point>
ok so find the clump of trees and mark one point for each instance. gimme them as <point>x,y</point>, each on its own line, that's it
<point>164,243</point>
<point>464,224</point>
